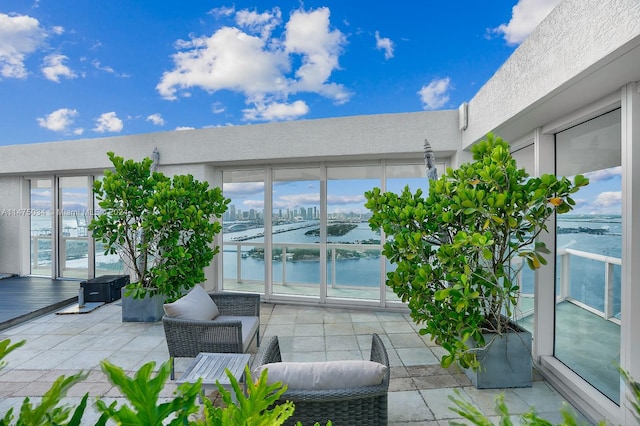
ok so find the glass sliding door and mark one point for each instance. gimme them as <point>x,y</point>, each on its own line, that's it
<point>397,177</point>
<point>588,263</point>
<point>296,257</point>
<point>41,220</point>
<point>524,315</point>
<point>353,249</point>
<point>243,231</point>
<point>73,219</point>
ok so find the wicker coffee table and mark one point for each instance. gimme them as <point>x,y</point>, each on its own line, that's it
<point>210,367</point>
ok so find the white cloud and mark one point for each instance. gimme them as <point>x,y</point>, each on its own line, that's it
<point>384,43</point>
<point>345,199</point>
<point>295,201</point>
<point>254,61</point>
<point>232,190</point>
<point>525,17</point>
<point>229,59</point>
<point>261,23</point>
<point>20,35</point>
<point>156,119</point>
<point>608,198</point>
<point>435,95</point>
<point>59,120</point>
<point>108,122</point>
<point>603,175</point>
<point>222,11</point>
<point>97,65</point>
<point>53,68</point>
<point>276,111</point>
<point>218,108</point>
<point>308,34</point>
<point>184,128</point>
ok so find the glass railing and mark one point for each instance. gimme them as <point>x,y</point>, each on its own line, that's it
<point>591,281</point>
<point>353,270</point>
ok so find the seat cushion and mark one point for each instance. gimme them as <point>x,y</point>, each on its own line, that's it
<point>195,305</point>
<point>324,375</point>
<point>249,327</point>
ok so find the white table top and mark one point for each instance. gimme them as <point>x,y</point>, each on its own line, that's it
<point>211,368</point>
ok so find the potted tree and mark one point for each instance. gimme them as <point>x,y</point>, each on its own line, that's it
<point>459,252</point>
<point>162,228</point>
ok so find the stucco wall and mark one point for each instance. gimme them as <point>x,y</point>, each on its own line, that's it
<point>10,220</point>
<point>567,62</point>
<point>373,136</point>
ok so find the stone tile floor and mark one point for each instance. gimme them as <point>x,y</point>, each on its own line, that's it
<point>419,389</point>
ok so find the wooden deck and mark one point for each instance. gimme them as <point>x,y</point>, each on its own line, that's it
<point>24,298</point>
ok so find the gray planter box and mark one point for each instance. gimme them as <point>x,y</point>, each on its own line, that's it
<point>505,363</point>
<point>148,309</point>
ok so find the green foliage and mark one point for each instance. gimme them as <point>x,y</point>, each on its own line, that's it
<point>470,412</point>
<point>459,250</point>
<point>142,391</point>
<point>49,411</point>
<point>163,228</point>
<point>634,388</point>
<point>252,410</point>
<point>6,347</point>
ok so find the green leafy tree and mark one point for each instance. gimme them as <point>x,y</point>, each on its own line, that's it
<point>456,250</point>
<point>163,228</point>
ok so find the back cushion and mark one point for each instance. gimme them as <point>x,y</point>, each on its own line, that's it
<point>195,305</point>
<point>324,375</point>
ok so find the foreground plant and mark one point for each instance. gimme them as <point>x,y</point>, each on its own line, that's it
<point>459,251</point>
<point>49,411</point>
<point>254,409</point>
<point>142,392</point>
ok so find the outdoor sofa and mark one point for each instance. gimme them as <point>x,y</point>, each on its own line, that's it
<point>345,398</point>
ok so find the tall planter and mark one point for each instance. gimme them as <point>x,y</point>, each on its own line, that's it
<point>146,309</point>
<point>459,253</point>
<point>505,362</point>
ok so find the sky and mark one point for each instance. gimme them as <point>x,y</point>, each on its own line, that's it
<point>75,69</point>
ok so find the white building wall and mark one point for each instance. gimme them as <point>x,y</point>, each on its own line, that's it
<point>372,136</point>
<point>582,51</point>
<point>11,218</point>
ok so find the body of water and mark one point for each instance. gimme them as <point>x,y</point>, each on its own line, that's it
<point>593,234</point>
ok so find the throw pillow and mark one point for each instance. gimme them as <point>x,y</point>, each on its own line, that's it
<point>195,305</point>
<point>324,375</point>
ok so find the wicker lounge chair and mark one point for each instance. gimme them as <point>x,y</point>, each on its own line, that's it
<point>231,332</point>
<point>365,406</point>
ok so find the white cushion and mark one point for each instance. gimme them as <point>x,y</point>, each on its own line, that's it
<point>249,327</point>
<point>195,305</point>
<point>324,375</point>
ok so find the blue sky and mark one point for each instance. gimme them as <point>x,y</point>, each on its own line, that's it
<point>82,69</point>
<point>72,69</point>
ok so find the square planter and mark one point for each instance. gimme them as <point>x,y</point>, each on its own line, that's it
<point>505,362</point>
<point>148,309</point>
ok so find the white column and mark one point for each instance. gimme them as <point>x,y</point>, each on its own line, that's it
<point>544,301</point>
<point>630,328</point>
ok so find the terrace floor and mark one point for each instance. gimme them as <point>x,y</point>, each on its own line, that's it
<point>419,389</point>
